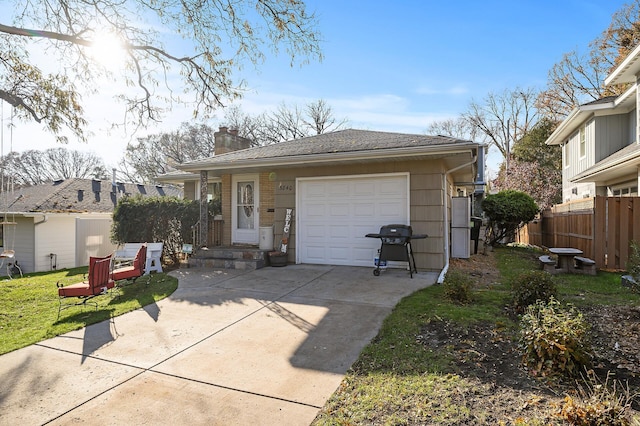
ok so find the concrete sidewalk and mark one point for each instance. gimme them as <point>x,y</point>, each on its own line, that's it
<point>228,347</point>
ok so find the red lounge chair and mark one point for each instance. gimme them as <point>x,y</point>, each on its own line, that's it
<point>133,271</point>
<point>98,282</point>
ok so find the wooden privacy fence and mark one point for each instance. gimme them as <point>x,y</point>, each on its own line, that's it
<point>602,227</point>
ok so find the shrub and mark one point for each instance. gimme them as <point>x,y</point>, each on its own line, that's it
<point>554,339</point>
<point>598,404</point>
<point>457,287</point>
<point>529,287</point>
<point>507,211</point>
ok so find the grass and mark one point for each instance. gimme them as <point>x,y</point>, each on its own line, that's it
<point>29,305</point>
<point>397,380</point>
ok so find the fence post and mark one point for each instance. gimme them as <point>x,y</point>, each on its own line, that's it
<point>600,231</point>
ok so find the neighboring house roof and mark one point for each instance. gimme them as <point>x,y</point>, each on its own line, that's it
<point>621,163</point>
<point>77,195</point>
<point>329,148</point>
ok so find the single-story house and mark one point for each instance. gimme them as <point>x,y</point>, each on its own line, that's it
<point>60,224</point>
<point>341,186</point>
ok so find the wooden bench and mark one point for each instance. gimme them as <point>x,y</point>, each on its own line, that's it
<point>584,265</point>
<point>548,263</point>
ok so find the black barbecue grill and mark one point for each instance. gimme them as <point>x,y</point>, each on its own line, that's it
<point>396,246</point>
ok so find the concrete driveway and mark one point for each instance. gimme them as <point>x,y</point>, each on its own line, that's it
<point>228,347</point>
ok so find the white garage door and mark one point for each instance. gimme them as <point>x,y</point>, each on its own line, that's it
<point>334,215</point>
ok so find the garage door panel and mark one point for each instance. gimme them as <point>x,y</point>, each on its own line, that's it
<point>338,253</point>
<point>339,210</point>
<point>316,253</point>
<point>337,188</point>
<point>364,255</point>
<point>339,231</point>
<point>315,231</point>
<point>336,214</point>
<point>391,209</point>
<point>316,189</point>
<point>361,209</point>
<point>364,189</point>
<point>315,211</point>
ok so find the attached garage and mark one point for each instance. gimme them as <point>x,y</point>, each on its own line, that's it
<point>335,213</point>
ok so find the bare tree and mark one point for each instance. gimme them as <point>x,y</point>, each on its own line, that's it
<point>221,36</point>
<point>157,154</point>
<point>285,123</point>
<point>579,78</point>
<point>320,118</point>
<point>34,167</point>
<point>504,117</point>
<point>458,127</point>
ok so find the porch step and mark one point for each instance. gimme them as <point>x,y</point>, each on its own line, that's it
<point>248,258</point>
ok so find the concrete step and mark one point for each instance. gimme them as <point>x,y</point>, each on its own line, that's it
<point>240,257</point>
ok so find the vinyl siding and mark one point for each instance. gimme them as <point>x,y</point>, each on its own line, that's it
<point>576,163</point>
<point>58,236</point>
<point>611,135</point>
<point>20,238</point>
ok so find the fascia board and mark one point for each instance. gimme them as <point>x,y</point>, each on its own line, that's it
<point>577,116</point>
<point>307,159</point>
<point>605,167</point>
<point>565,128</point>
<point>627,70</point>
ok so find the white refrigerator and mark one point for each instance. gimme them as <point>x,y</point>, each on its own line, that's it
<point>460,227</point>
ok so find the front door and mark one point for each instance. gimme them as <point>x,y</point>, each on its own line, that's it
<point>245,199</point>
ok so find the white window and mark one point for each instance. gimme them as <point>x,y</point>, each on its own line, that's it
<point>583,141</point>
<point>624,190</point>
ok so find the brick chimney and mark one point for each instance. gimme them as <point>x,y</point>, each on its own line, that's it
<point>228,141</point>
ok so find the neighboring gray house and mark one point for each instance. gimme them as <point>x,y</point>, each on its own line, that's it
<point>600,149</point>
<point>60,224</point>
<point>341,186</point>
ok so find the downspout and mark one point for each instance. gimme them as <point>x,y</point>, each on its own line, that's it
<point>446,217</point>
<point>44,219</point>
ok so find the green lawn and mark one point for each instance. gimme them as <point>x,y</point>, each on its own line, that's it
<point>29,305</point>
<point>397,380</point>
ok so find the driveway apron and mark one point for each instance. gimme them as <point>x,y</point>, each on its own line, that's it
<point>228,347</point>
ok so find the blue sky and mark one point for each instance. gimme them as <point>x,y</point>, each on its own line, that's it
<point>396,66</point>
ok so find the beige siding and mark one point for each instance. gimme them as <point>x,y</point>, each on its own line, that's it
<point>189,190</point>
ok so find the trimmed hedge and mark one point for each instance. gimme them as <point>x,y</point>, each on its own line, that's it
<point>157,219</point>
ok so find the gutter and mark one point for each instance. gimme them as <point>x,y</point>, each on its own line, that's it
<point>443,273</point>
<point>332,157</point>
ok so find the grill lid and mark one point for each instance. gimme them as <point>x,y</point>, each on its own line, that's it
<point>396,231</point>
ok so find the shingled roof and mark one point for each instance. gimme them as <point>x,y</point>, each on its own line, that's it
<point>78,195</point>
<point>343,141</point>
